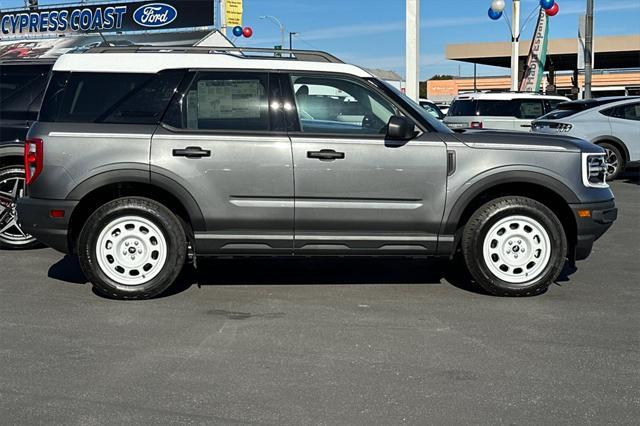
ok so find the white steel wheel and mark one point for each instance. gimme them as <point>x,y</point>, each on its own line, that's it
<point>517,249</point>
<point>131,250</point>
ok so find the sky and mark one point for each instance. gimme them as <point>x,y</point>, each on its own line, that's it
<point>370,33</point>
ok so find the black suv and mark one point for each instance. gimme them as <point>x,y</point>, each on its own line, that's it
<point>22,86</point>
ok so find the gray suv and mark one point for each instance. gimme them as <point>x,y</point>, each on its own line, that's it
<point>143,160</point>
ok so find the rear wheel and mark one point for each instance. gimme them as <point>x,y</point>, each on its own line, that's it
<point>514,246</point>
<point>132,248</point>
<point>11,189</point>
<point>615,161</point>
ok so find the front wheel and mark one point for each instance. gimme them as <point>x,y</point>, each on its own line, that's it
<point>132,248</point>
<point>514,246</point>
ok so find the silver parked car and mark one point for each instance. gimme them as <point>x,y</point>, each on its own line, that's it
<point>612,123</point>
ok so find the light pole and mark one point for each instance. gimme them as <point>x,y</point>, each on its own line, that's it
<point>279,24</point>
<point>291,40</point>
<point>588,51</point>
<point>413,49</point>
<point>515,47</point>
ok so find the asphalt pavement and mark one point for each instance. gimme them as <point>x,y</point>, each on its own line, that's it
<point>332,341</point>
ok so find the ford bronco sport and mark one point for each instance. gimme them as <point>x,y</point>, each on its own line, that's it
<point>143,159</point>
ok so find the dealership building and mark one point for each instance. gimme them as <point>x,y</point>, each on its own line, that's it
<point>617,67</point>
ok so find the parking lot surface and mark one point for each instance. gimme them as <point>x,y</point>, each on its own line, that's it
<point>329,341</point>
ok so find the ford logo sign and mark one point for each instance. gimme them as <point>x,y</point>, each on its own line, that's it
<point>155,15</point>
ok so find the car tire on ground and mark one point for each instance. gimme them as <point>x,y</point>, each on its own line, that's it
<point>615,161</point>
<point>132,248</point>
<point>11,188</point>
<point>514,246</point>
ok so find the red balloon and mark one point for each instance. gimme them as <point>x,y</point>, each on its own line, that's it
<point>554,10</point>
<point>247,32</point>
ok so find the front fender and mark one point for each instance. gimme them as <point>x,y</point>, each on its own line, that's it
<point>493,178</point>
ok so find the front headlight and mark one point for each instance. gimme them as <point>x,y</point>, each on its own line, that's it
<point>594,171</point>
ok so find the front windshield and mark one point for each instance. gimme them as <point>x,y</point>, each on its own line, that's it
<point>412,105</point>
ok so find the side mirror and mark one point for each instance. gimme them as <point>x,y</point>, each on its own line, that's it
<point>400,128</point>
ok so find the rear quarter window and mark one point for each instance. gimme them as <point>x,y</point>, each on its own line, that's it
<point>108,97</point>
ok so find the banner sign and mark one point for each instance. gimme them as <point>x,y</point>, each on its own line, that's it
<point>28,49</point>
<point>108,17</point>
<point>537,56</point>
<point>234,11</point>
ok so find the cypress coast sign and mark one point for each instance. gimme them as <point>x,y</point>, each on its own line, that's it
<point>108,17</point>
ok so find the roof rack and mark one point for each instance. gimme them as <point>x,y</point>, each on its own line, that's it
<point>244,52</point>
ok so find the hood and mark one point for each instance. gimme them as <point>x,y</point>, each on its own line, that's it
<point>519,141</point>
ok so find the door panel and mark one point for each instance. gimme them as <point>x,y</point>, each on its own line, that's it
<point>244,189</point>
<point>382,197</point>
<point>356,191</point>
<point>219,145</point>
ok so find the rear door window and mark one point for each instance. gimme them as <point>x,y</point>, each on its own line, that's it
<point>625,112</point>
<point>223,101</point>
<point>529,109</point>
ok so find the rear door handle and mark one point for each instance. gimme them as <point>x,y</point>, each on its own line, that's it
<point>192,152</point>
<point>326,155</point>
<point>525,125</point>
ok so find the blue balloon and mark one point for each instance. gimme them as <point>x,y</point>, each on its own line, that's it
<point>494,15</point>
<point>547,4</point>
<point>237,31</point>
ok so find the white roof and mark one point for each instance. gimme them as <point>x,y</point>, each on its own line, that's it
<point>147,63</point>
<point>507,96</point>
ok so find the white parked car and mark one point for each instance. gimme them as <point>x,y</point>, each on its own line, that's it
<point>505,111</point>
<point>612,123</point>
<point>432,109</point>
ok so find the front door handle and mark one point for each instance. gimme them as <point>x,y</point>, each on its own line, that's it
<point>192,152</point>
<point>326,155</point>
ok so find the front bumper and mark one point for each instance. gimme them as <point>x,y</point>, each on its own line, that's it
<point>34,216</point>
<point>589,229</point>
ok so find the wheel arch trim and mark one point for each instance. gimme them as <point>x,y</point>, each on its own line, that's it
<point>614,140</point>
<point>451,222</point>
<point>142,176</point>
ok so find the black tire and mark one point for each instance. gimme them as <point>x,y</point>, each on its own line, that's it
<point>494,212</point>
<point>613,152</point>
<point>160,216</point>
<point>13,238</point>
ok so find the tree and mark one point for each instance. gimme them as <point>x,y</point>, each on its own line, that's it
<point>442,77</point>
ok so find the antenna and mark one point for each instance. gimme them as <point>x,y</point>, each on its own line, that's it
<point>104,39</point>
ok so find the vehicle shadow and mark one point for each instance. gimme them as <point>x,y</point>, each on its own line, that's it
<point>323,271</point>
<point>631,175</point>
<point>68,270</point>
<point>308,271</point>
<point>303,271</point>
